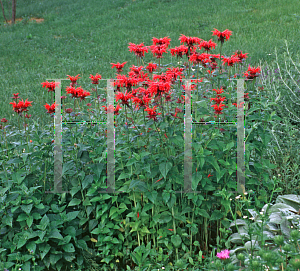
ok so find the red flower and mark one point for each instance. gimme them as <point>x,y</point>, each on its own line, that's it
<point>218,108</point>
<point>21,106</point>
<point>162,41</point>
<point>27,116</point>
<point>73,79</point>
<point>207,45</point>
<point>95,79</point>
<point>253,72</point>
<point>230,60</point>
<point>190,41</point>
<point>4,120</point>
<point>124,97</point>
<point>240,55</point>
<point>68,110</point>
<point>89,104</point>
<point>209,175</point>
<point>50,108</point>
<point>141,102</point>
<point>219,91</point>
<point>222,35</point>
<point>158,50</point>
<point>50,85</point>
<point>170,229</point>
<point>138,215</point>
<point>138,49</point>
<point>116,111</point>
<point>240,105</point>
<point>218,99</point>
<point>16,96</point>
<point>151,113</point>
<point>151,67</point>
<point>118,66</point>
<point>179,51</point>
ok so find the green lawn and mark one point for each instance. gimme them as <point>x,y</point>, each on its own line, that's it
<point>86,36</point>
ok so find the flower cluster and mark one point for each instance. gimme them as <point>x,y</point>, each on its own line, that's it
<point>218,106</point>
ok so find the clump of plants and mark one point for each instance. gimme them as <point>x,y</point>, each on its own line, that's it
<point>149,221</point>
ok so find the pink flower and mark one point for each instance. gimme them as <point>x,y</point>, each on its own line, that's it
<point>223,254</point>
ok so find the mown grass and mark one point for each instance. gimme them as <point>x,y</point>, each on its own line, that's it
<point>86,36</point>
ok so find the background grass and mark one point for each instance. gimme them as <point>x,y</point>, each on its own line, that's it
<point>84,37</point>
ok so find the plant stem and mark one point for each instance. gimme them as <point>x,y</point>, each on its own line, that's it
<point>174,226</point>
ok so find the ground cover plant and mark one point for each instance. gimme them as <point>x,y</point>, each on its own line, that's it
<point>149,227</point>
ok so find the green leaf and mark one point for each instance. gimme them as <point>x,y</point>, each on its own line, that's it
<point>72,215</point>
<point>44,223</point>
<point>21,242</point>
<point>202,212</point>
<point>74,202</point>
<point>70,231</point>
<point>213,162</point>
<point>17,178</point>
<point>98,168</point>
<point>44,248</point>
<point>29,221</point>
<point>69,248</point>
<point>88,180</point>
<point>229,146</point>
<point>55,234</point>
<point>164,168</point>
<point>176,240</point>
<point>145,230</point>
<point>27,208</point>
<point>124,176</point>
<point>31,246</point>
<point>113,209</point>
<point>196,178</point>
<point>216,215</point>
<point>152,196</point>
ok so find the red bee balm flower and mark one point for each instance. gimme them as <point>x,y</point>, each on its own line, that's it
<point>16,96</point>
<point>138,49</point>
<point>207,45</point>
<point>218,108</point>
<point>118,66</point>
<point>73,79</point>
<point>222,35</point>
<point>95,79</point>
<point>152,113</point>
<point>158,50</point>
<point>51,109</point>
<point>253,72</point>
<point>50,85</point>
<point>162,41</point>
<point>4,120</point>
<point>190,41</point>
<point>151,67</point>
<point>21,106</point>
<point>179,51</point>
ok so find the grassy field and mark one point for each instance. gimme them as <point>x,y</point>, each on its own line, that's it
<point>84,37</point>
